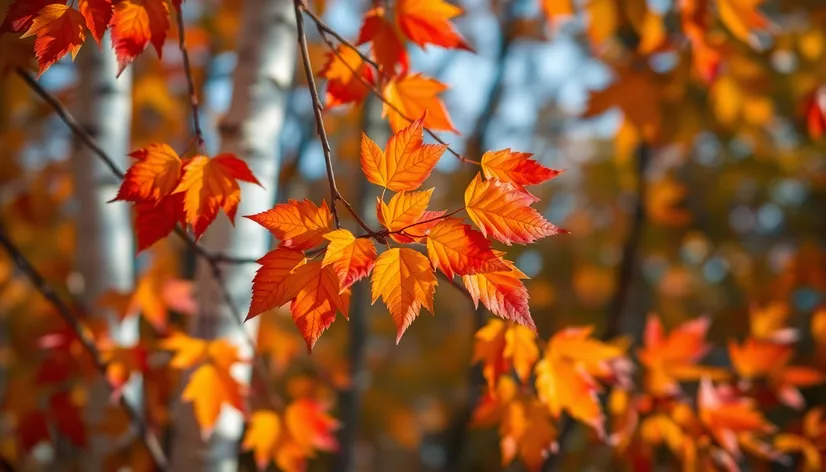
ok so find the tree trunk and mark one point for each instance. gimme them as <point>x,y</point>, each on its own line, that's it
<point>262,80</point>
<point>104,255</point>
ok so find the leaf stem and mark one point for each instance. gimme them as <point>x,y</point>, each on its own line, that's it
<point>193,97</point>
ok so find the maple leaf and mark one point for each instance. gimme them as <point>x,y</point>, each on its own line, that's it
<point>815,104</point>
<point>154,221</point>
<point>212,184</point>
<point>97,13</point>
<point>352,258</point>
<point>121,363</point>
<point>502,292</point>
<point>726,415</point>
<point>262,436</point>
<point>428,22</point>
<point>741,17</point>
<point>21,15</point>
<point>59,30</point>
<point>310,426</point>
<point>317,297</point>
<point>412,95</point>
<point>671,358</point>
<point>210,386</point>
<point>346,73</point>
<point>407,210</point>
<point>269,289</point>
<point>298,224</point>
<point>387,43</point>
<point>456,248</point>
<point>567,375</point>
<point>153,177</point>
<point>136,23</point>
<point>516,168</point>
<point>404,280</point>
<point>501,346</point>
<point>503,212</point>
<point>68,417</point>
<point>406,163</point>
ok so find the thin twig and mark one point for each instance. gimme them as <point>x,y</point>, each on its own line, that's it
<point>324,30</point>
<point>41,285</point>
<point>335,195</point>
<point>193,97</point>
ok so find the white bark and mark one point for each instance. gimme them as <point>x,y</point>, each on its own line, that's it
<point>262,80</point>
<point>104,255</point>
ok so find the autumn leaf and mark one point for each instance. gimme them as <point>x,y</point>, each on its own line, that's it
<point>502,292</point>
<point>210,185</point>
<point>269,287</point>
<point>298,224</point>
<point>262,437</point>
<point>503,212</point>
<point>742,17</point>
<point>97,13</point>
<point>407,210</point>
<point>317,297</point>
<point>404,280</point>
<point>405,164</point>
<point>352,258</point>
<point>516,168</point>
<point>346,73</point>
<point>153,177</point>
<point>726,415</point>
<point>135,24</point>
<point>155,220</point>
<point>387,44</point>
<point>59,30</point>
<point>457,249</point>
<point>428,22</point>
<point>557,8</point>
<point>500,346</point>
<point>310,426</point>
<point>22,13</point>
<point>409,96</point>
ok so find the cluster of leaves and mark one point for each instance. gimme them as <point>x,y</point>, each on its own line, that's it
<point>402,277</point>
<point>649,408</point>
<point>60,29</point>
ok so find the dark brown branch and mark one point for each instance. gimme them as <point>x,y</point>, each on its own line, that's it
<point>67,314</point>
<point>625,275</point>
<point>324,30</point>
<point>335,195</point>
<point>193,97</point>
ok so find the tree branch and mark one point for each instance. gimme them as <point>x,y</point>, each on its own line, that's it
<point>193,97</point>
<point>41,285</point>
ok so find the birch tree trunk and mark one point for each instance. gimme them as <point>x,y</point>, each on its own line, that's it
<point>104,255</point>
<point>262,81</point>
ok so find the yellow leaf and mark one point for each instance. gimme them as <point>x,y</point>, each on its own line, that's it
<point>405,281</point>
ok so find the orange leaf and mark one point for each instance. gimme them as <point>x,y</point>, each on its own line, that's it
<point>557,8</point>
<point>503,293</point>
<point>501,346</point>
<point>666,358</point>
<point>262,436</point>
<point>21,15</point>
<point>741,17</point>
<point>342,71</point>
<point>298,224</point>
<point>388,45</point>
<point>212,184</point>
<point>310,426</point>
<point>136,23</point>
<point>726,415</point>
<point>409,96</point>
<point>404,210</point>
<point>97,14</point>
<point>154,176</point>
<point>428,22</point>
<point>503,212</point>
<point>405,281</point>
<point>352,258</point>
<point>210,388</point>
<point>456,248</point>
<point>269,289</point>
<point>517,168</point>
<point>407,161</point>
<point>59,30</point>
<point>317,299</point>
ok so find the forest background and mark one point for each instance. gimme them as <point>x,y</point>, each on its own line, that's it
<point>678,320</point>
